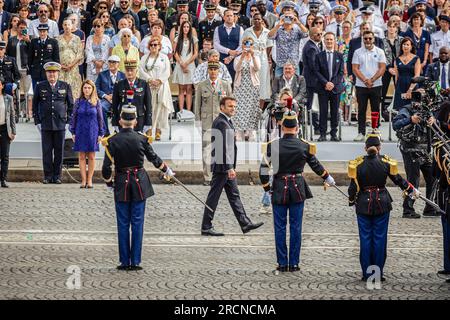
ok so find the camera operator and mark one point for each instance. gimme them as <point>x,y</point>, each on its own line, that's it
<point>415,140</point>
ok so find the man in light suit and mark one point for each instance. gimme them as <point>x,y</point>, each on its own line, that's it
<point>290,80</point>
<point>223,165</point>
<point>105,87</point>
<point>330,78</point>
<point>434,70</point>
<point>207,100</point>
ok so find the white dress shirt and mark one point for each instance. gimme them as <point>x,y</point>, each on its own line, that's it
<point>221,48</point>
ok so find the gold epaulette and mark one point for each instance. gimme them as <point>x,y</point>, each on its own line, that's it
<point>149,138</point>
<point>264,146</point>
<point>312,147</point>
<point>353,166</point>
<point>104,140</point>
<point>393,167</point>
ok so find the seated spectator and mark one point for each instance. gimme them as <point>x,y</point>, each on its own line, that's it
<point>292,81</point>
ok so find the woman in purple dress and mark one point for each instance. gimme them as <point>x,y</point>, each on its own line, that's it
<point>87,129</point>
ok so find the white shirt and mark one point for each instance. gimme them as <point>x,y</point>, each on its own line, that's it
<point>166,45</point>
<point>288,83</point>
<point>446,73</point>
<point>368,61</point>
<point>221,48</point>
<point>2,111</point>
<point>53,30</point>
<point>438,40</point>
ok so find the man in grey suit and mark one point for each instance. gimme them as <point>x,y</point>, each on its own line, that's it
<point>292,81</point>
<point>207,108</point>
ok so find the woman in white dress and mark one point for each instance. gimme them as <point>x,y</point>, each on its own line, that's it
<point>262,46</point>
<point>97,51</point>
<point>186,51</point>
<point>155,69</point>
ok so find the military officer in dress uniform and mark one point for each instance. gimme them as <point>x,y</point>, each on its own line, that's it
<point>242,20</point>
<point>8,67</point>
<point>126,151</point>
<point>42,50</point>
<point>207,108</point>
<point>339,17</point>
<point>52,109</point>
<point>135,91</point>
<point>207,26</point>
<point>372,201</point>
<point>288,156</point>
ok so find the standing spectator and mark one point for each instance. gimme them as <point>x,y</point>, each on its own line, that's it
<point>176,29</point>
<point>440,38</point>
<point>106,21</point>
<point>157,30</point>
<point>343,46</point>
<point>13,28</point>
<point>84,17</point>
<point>58,9</point>
<point>289,80</point>
<point>5,16</point>
<point>267,16</point>
<point>144,12</point>
<point>209,93</point>
<point>105,85</point>
<point>201,72</point>
<point>53,30</point>
<point>336,26</point>
<point>125,9</point>
<point>246,84</point>
<point>242,20</point>
<point>155,69</point>
<point>125,50</point>
<point>227,40</point>
<point>287,35</point>
<point>71,55</point>
<point>164,11</point>
<point>262,46</point>
<point>186,51</point>
<point>137,6</point>
<point>7,132</point>
<point>182,7</point>
<point>310,52</point>
<point>117,39</point>
<point>52,108</point>
<point>439,71</point>
<point>369,64</point>
<point>207,26</point>
<point>406,66</point>
<point>97,51</point>
<point>23,15</point>
<point>43,50</point>
<point>133,28</point>
<point>330,85</point>
<point>87,129</point>
<point>150,20</point>
<point>421,37</point>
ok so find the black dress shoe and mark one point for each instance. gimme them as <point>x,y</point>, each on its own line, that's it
<point>57,181</point>
<point>282,268</point>
<point>447,281</point>
<point>4,184</point>
<point>251,226</point>
<point>46,181</point>
<point>322,138</point>
<point>431,214</point>
<point>334,138</point>
<point>443,272</point>
<point>294,268</point>
<point>123,268</point>
<point>135,268</point>
<point>411,215</point>
<point>212,232</point>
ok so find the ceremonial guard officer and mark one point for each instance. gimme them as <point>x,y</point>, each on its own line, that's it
<point>372,201</point>
<point>207,26</point>
<point>52,109</point>
<point>42,50</point>
<point>135,91</point>
<point>287,157</point>
<point>442,170</point>
<point>126,151</point>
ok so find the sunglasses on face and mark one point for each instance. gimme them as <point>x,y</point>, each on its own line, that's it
<point>97,26</point>
<point>154,44</point>
<point>43,11</point>
<point>370,38</point>
<point>103,7</point>
<point>126,36</point>
<point>319,22</point>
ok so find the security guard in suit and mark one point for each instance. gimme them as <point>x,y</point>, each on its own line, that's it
<point>286,158</point>
<point>52,109</point>
<point>135,91</point>
<point>126,151</point>
<point>372,201</point>
<point>207,108</point>
<point>42,50</point>
<point>207,26</point>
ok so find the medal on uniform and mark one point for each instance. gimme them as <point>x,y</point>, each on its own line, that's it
<point>130,96</point>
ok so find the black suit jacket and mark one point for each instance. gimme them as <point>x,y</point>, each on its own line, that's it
<point>298,88</point>
<point>40,54</point>
<point>354,45</point>
<point>310,51</point>
<point>337,75</point>
<point>142,99</point>
<point>433,71</point>
<point>224,150</point>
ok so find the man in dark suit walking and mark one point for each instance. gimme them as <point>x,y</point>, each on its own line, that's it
<point>105,86</point>
<point>330,78</point>
<point>223,164</point>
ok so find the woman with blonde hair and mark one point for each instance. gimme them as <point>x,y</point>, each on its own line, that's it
<point>155,69</point>
<point>87,128</point>
<point>97,50</point>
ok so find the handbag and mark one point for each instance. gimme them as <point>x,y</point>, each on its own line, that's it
<point>315,104</point>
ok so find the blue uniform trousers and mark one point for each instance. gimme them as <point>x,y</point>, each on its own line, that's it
<point>446,236</point>
<point>130,213</point>
<point>373,241</point>
<point>52,153</point>
<point>295,230</point>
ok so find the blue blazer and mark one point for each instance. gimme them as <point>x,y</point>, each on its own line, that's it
<point>104,84</point>
<point>309,53</point>
<point>322,72</point>
<point>433,71</point>
<point>5,20</point>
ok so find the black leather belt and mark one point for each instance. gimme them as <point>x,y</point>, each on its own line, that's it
<point>284,176</point>
<point>127,169</point>
<point>374,188</point>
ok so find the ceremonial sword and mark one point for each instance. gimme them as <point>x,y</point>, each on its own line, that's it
<point>336,187</point>
<point>431,203</point>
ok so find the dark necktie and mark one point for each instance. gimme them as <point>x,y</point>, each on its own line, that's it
<point>338,30</point>
<point>443,78</point>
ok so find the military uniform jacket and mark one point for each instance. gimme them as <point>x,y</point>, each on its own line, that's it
<point>142,100</point>
<point>9,70</point>
<point>52,108</point>
<point>126,150</point>
<point>207,100</point>
<point>206,30</point>
<point>367,188</point>
<point>288,157</point>
<point>41,52</point>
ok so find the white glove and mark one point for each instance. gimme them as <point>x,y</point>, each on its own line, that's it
<point>169,173</point>
<point>146,128</point>
<point>415,194</point>
<point>116,128</point>
<point>38,126</point>
<point>330,181</point>
<point>14,86</point>
<point>67,127</point>
<point>111,189</point>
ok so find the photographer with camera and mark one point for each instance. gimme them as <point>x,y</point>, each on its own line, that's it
<point>415,140</point>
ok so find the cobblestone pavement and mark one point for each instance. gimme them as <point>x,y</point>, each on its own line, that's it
<point>47,229</point>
